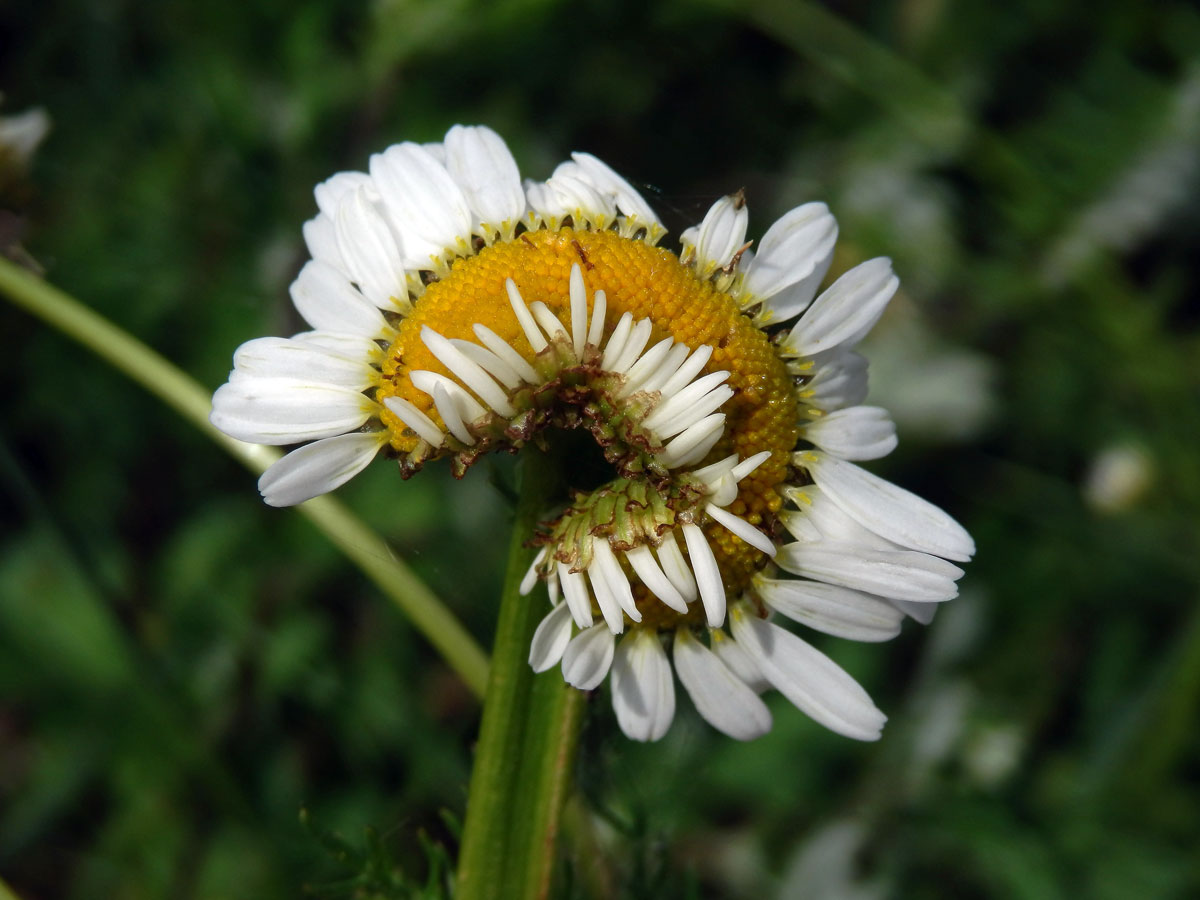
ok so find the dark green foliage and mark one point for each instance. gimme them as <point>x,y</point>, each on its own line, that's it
<point>373,873</point>
<point>182,670</point>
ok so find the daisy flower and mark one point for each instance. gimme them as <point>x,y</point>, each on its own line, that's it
<point>456,310</point>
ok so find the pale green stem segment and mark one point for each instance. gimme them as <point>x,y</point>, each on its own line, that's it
<point>183,394</point>
<point>528,737</point>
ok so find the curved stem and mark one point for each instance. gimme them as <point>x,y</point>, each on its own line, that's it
<point>527,740</point>
<point>187,397</point>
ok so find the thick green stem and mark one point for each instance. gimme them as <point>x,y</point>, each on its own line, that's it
<point>527,739</point>
<point>183,394</point>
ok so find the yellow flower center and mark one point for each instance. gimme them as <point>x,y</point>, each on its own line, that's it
<point>648,282</point>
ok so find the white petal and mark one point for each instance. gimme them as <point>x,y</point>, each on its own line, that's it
<point>634,346</point>
<point>792,258</point>
<point>820,519</point>
<point>694,442</point>
<point>737,660</point>
<point>451,414</point>
<point>838,383</point>
<point>675,567</point>
<point>643,692</point>
<point>895,574</point>
<point>354,346</point>
<point>533,334</point>
<point>287,410</point>
<point>719,481</point>
<point>849,307</point>
<point>369,251</point>
<point>579,323</point>
<point>586,660</point>
<point>437,150</point>
<point>687,243</point>
<point>579,198</point>
<point>683,406</point>
<point>333,190</point>
<point>618,582</point>
<point>328,302</point>
<point>272,357</point>
<point>686,372</point>
<point>749,464</point>
<point>319,467</point>
<point>321,240</point>
<point>889,511</point>
<point>479,160</point>
<point>714,473</point>
<point>426,206</point>
<point>722,234</point>
<point>860,432</point>
<point>468,407</point>
<point>834,610</point>
<point>627,200</point>
<point>642,560</point>
<point>801,525</point>
<point>724,700</point>
<point>616,341</point>
<point>550,639</point>
<point>544,202</point>
<point>548,321</point>
<point>605,597</point>
<point>742,529</point>
<point>684,417</point>
<point>423,426</point>
<point>576,593</point>
<point>666,370</point>
<point>489,362</point>
<point>817,685</point>
<point>497,345</point>
<point>647,366</point>
<point>596,328</point>
<point>467,371</point>
<point>531,574</point>
<point>708,574</point>
<point>919,612</point>
<point>793,299</point>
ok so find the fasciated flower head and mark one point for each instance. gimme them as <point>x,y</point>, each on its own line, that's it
<point>457,311</point>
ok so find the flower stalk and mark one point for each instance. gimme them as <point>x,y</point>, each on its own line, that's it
<point>528,736</point>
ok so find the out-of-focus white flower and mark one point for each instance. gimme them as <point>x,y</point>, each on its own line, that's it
<point>1161,178</point>
<point>934,391</point>
<point>1117,478</point>
<point>21,134</point>
<point>992,754</point>
<point>825,867</point>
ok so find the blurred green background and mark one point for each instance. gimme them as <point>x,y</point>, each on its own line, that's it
<point>183,669</point>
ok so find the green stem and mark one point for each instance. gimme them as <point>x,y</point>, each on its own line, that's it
<point>185,395</point>
<point>528,736</point>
